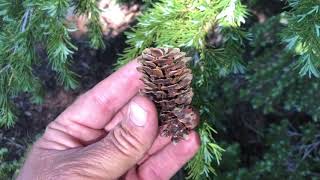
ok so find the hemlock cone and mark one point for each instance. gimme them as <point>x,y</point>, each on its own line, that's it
<point>167,81</point>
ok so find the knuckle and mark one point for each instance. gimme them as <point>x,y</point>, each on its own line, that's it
<point>192,146</point>
<point>150,172</point>
<point>99,98</point>
<point>126,142</point>
<point>57,126</point>
<point>103,101</point>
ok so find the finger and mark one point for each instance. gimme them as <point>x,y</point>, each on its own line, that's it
<point>158,144</point>
<point>165,163</point>
<point>127,143</point>
<point>68,135</point>
<point>96,107</point>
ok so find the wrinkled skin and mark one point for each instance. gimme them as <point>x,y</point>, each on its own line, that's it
<point>109,132</point>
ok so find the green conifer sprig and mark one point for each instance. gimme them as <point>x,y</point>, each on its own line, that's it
<point>26,26</point>
<point>200,167</point>
<point>58,42</point>
<point>187,25</point>
<point>16,76</point>
<point>91,10</point>
<point>302,35</point>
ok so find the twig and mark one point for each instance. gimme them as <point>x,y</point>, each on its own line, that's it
<point>5,68</point>
<point>292,133</point>
<point>14,143</point>
<point>25,19</point>
<point>307,149</point>
<point>253,129</point>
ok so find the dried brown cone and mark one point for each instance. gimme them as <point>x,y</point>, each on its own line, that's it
<point>167,81</point>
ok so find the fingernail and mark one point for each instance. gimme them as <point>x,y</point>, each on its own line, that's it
<point>137,114</point>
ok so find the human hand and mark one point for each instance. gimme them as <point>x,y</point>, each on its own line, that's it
<point>110,132</point>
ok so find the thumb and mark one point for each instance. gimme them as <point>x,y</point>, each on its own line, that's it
<point>128,142</point>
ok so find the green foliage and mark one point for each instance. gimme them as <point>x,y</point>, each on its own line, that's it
<point>200,166</point>
<point>186,24</point>
<point>280,90</point>
<point>7,168</point>
<point>144,1</point>
<point>285,157</point>
<point>25,27</point>
<point>90,9</point>
<point>302,34</point>
<point>272,81</point>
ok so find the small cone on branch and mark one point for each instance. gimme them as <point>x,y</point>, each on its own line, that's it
<point>167,82</point>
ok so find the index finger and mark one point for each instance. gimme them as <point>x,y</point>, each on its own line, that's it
<point>95,108</point>
<point>166,162</point>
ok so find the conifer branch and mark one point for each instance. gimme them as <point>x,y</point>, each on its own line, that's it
<point>90,9</point>
<point>177,24</point>
<point>302,35</point>
<point>27,24</point>
<point>25,20</point>
<point>186,24</point>
<point>200,167</point>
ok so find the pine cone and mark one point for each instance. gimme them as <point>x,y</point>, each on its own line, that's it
<point>167,82</point>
